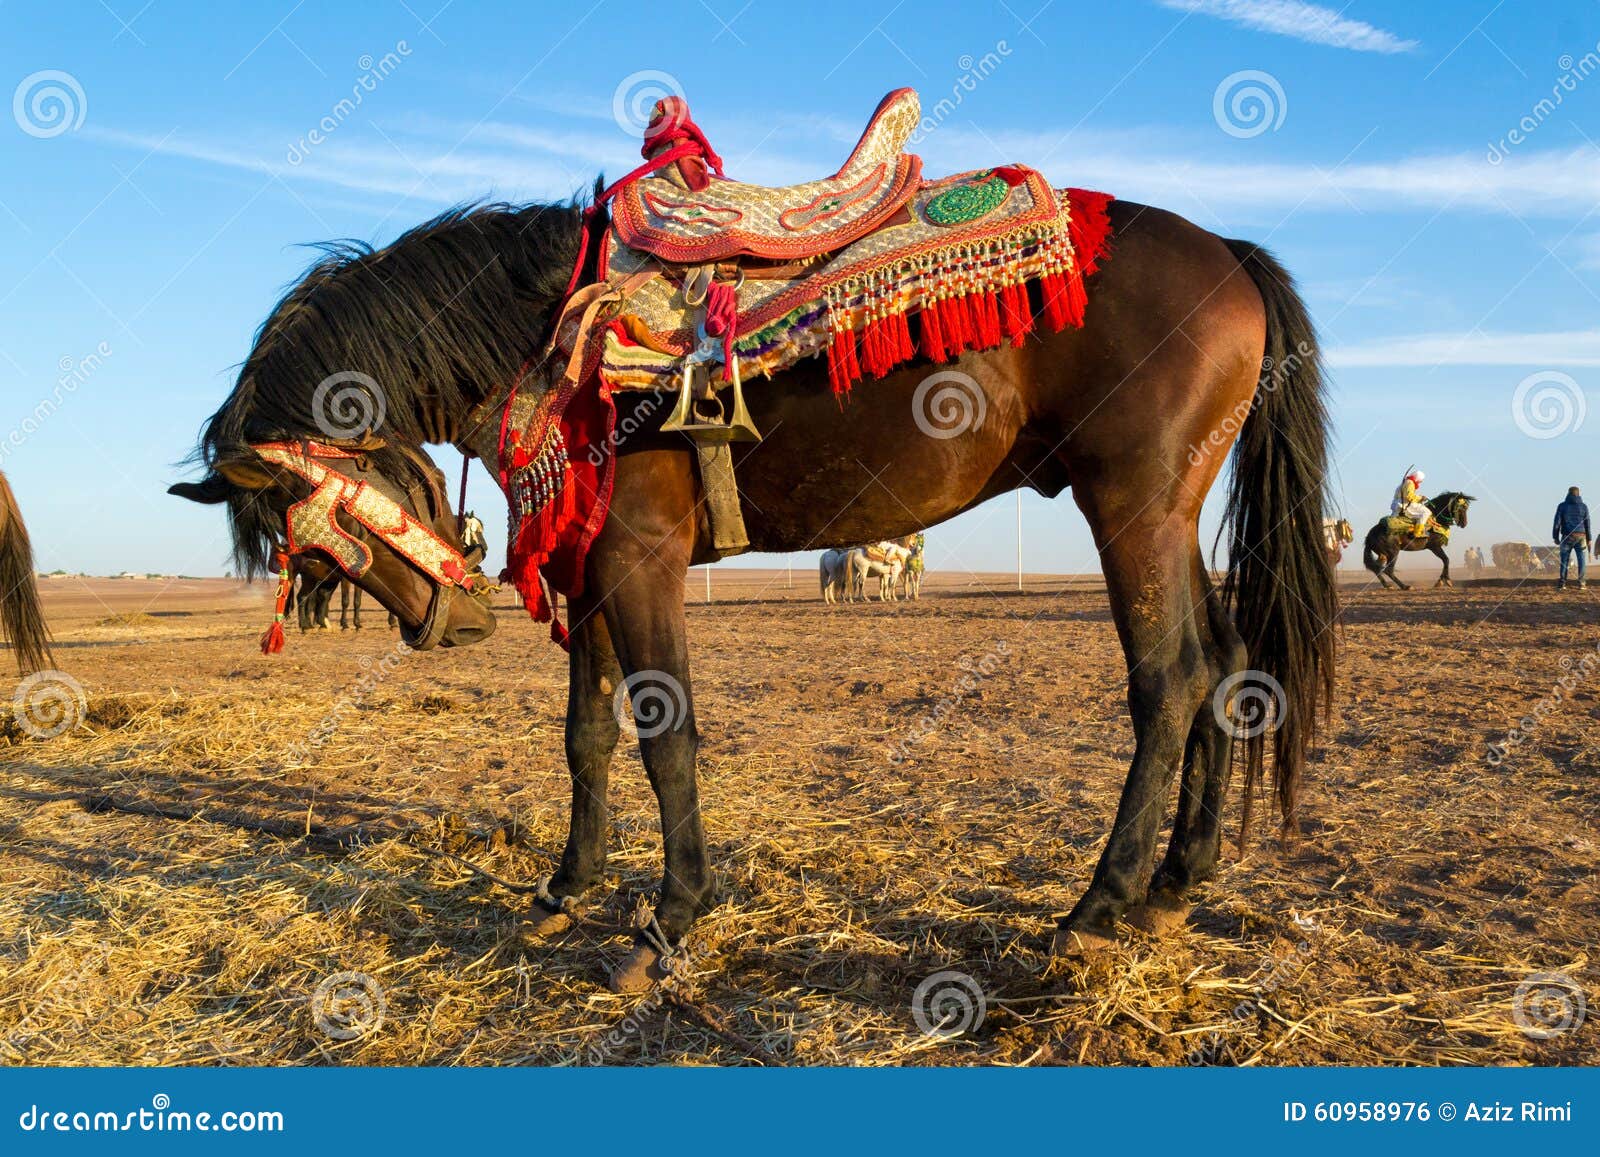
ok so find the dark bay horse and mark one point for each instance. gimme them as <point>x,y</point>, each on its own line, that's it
<point>1384,546</point>
<point>21,617</point>
<point>1189,338</point>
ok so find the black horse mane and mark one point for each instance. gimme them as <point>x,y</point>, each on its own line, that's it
<point>1443,505</point>
<point>459,301</point>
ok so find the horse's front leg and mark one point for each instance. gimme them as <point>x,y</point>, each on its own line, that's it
<point>640,562</point>
<point>1444,575</point>
<point>593,677</point>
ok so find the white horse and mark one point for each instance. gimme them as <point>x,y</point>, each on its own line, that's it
<point>833,573</point>
<point>884,559</point>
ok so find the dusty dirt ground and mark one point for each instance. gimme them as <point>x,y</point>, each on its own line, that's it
<point>186,867</point>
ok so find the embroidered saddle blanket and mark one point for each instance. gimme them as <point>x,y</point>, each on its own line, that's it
<point>957,257</point>
<point>1400,525</point>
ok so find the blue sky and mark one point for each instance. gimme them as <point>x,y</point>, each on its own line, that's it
<point>1412,163</point>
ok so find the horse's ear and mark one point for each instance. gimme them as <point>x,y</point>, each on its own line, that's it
<point>214,489</point>
<point>247,473</point>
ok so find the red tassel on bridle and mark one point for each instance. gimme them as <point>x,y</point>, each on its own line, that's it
<point>272,640</point>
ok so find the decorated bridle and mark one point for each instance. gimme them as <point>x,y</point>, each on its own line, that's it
<point>313,525</point>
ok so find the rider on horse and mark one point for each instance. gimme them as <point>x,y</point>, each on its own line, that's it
<point>1409,502</point>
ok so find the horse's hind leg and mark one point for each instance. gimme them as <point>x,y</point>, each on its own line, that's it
<point>1197,827</point>
<point>593,677</point>
<point>1394,578</point>
<point>1147,567</point>
<point>1375,563</point>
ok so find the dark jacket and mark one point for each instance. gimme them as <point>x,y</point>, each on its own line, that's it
<point>1572,517</point>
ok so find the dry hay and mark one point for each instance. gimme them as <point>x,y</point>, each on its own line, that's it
<point>183,871</point>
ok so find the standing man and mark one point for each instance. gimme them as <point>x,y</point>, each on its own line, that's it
<point>1571,532</point>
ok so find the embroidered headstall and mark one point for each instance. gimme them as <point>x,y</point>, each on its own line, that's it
<point>313,522</point>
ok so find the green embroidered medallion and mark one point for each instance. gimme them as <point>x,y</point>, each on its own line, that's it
<point>969,201</point>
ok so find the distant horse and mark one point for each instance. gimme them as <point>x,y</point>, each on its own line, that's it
<point>884,560</point>
<point>1387,540</point>
<point>21,617</point>
<point>311,598</point>
<point>833,574</point>
<point>1190,343</point>
<point>1337,533</point>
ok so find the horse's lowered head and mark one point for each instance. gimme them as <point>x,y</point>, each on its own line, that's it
<point>373,354</point>
<point>375,512</point>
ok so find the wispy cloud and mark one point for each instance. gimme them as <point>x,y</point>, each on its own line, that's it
<point>1580,347</point>
<point>1550,182</point>
<point>1309,22</point>
<point>440,163</point>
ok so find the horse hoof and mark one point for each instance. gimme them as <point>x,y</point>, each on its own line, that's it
<point>544,922</point>
<point>1079,944</point>
<point>639,972</point>
<point>1160,916</point>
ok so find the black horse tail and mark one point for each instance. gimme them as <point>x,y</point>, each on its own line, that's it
<point>21,617</point>
<point>1369,557</point>
<point>1282,591</point>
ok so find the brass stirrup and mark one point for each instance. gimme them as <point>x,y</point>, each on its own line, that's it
<point>701,414</point>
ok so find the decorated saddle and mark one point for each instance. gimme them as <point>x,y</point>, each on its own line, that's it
<point>701,278</point>
<point>684,214</point>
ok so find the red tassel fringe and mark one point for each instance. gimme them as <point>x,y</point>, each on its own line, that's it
<point>980,321</point>
<point>932,335</point>
<point>272,640</point>
<point>1016,319</point>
